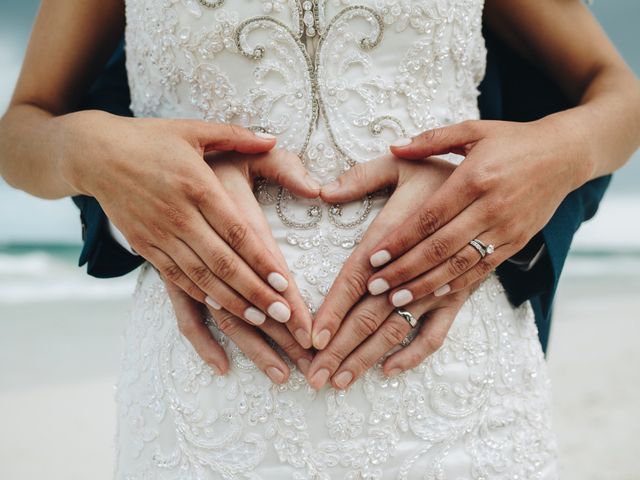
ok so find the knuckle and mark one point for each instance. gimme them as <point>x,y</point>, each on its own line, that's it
<point>415,359</point>
<point>175,217</point>
<point>227,324</point>
<point>333,358</point>
<point>355,284</point>
<point>394,331</point>
<point>201,275</point>
<point>224,266</point>
<point>484,268</point>
<point>289,345</point>
<point>366,322</point>
<point>236,235</point>
<point>195,191</point>
<point>459,264</point>
<point>171,271</point>
<point>428,223</point>
<point>436,251</point>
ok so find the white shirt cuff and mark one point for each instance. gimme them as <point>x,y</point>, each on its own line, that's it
<point>119,237</point>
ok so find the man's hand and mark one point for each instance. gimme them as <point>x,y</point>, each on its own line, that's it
<point>373,329</point>
<point>511,182</point>
<point>250,341</point>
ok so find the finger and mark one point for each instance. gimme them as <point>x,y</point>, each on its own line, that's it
<point>300,322</point>
<point>392,331</point>
<point>437,280</point>
<point>446,203</point>
<point>226,136</point>
<point>286,169</point>
<point>253,345</point>
<point>362,322</point>
<point>190,317</point>
<point>426,255</point>
<point>281,335</point>
<point>218,292</point>
<point>351,283</point>
<point>361,179</point>
<point>458,138</point>
<point>172,273</point>
<point>483,268</point>
<point>433,332</point>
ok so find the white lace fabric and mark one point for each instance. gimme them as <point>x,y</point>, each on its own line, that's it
<point>335,81</point>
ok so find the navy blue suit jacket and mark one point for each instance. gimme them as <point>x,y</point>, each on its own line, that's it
<point>512,90</point>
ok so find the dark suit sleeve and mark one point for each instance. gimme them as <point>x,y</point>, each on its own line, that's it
<point>516,91</point>
<point>103,256</point>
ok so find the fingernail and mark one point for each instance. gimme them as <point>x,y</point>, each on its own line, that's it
<point>216,370</point>
<point>319,379</point>
<point>378,286</point>
<point>401,298</point>
<point>402,142</point>
<point>380,258</point>
<point>443,290</point>
<point>394,371</point>
<point>331,187</point>
<point>212,303</point>
<point>279,311</point>
<point>321,340</point>
<point>312,184</point>
<point>302,336</point>
<point>255,316</point>
<point>343,379</point>
<point>303,365</point>
<point>265,135</point>
<point>277,281</point>
<point>276,375</point>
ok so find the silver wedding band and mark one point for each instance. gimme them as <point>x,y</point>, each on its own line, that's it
<point>481,248</point>
<point>411,320</point>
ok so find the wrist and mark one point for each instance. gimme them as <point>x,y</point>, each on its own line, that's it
<point>82,149</point>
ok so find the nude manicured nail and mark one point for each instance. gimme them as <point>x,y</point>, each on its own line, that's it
<point>277,281</point>
<point>343,379</point>
<point>266,135</point>
<point>321,340</point>
<point>394,372</point>
<point>255,316</point>
<point>378,286</point>
<point>276,375</point>
<point>212,303</point>
<point>319,378</point>
<point>279,311</point>
<point>443,290</point>
<point>380,258</point>
<point>401,298</point>
<point>303,337</point>
<point>303,365</point>
<point>402,142</point>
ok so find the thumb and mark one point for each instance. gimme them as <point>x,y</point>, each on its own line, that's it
<point>458,138</point>
<point>228,137</point>
<point>285,168</point>
<point>361,179</point>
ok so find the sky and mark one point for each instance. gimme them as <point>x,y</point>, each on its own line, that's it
<point>27,219</point>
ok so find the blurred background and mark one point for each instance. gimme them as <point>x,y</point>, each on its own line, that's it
<point>60,329</point>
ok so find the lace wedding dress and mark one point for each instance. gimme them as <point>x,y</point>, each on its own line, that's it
<point>335,81</point>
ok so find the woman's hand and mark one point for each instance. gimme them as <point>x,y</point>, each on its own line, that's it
<point>150,177</point>
<point>511,182</point>
<point>414,181</point>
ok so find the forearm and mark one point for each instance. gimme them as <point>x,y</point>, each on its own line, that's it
<point>31,142</point>
<point>606,123</point>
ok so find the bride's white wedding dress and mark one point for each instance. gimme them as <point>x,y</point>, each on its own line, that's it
<point>335,80</point>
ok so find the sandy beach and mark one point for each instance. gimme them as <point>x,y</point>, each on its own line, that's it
<point>59,360</point>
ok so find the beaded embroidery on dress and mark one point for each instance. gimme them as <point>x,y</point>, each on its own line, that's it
<point>335,81</point>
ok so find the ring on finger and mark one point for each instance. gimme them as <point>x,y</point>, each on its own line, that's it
<point>413,323</point>
<point>481,248</point>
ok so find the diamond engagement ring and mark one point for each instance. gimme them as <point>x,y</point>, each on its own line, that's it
<point>482,249</point>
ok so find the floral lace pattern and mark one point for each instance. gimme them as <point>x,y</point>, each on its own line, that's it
<point>335,81</point>
<point>477,409</point>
